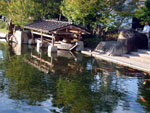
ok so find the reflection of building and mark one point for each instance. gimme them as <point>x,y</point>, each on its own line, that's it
<point>141,3</point>
<point>53,62</point>
<point>1,54</point>
<point>39,63</point>
<point>16,48</point>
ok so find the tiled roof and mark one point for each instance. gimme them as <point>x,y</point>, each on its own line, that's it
<point>47,25</point>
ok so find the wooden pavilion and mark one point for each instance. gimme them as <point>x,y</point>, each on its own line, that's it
<point>62,34</point>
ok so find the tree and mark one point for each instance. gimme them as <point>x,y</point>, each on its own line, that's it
<point>3,7</point>
<point>143,13</point>
<point>49,8</point>
<point>23,11</point>
<point>25,81</point>
<point>80,11</point>
<point>97,12</point>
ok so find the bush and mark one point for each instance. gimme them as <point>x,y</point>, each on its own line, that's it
<point>91,41</point>
<point>3,25</point>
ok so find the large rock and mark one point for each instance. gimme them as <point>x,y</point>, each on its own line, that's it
<point>117,50</point>
<point>133,40</point>
<point>111,48</point>
<point>128,41</point>
<point>105,46</point>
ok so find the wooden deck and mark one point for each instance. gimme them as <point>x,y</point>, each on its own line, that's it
<point>139,60</point>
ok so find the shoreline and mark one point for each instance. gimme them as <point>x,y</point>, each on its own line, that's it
<point>121,60</point>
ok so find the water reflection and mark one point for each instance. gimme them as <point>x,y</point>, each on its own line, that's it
<point>35,82</point>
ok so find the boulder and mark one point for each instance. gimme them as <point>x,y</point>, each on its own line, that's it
<point>133,40</point>
<point>117,50</point>
<point>128,41</point>
<point>105,46</point>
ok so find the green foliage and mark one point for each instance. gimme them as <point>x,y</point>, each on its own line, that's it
<point>25,82</point>
<point>3,25</point>
<point>143,13</point>
<point>22,11</point>
<point>49,8</point>
<point>3,7</point>
<point>80,11</point>
<point>73,93</point>
<point>97,12</point>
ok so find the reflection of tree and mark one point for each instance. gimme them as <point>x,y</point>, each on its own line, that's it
<point>66,66</point>
<point>76,95</point>
<point>25,82</point>
<point>76,86</point>
<point>145,93</point>
<point>71,94</point>
<point>4,49</point>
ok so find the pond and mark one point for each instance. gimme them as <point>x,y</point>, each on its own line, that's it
<point>32,81</point>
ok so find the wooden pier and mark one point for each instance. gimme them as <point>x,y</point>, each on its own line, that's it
<point>139,60</point>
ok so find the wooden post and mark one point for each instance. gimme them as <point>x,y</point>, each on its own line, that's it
<point>80,36</point>
<point>53,39</point>
<point>67,30</point>
<point>41,36</point>
<point>32,34</point>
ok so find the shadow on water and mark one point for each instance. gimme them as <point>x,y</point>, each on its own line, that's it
<point>33,81</point>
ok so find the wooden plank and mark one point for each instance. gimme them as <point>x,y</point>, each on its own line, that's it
<point>74,31</point>
<point>37,33</point>
<point>81,29</point>
<point>71,27</point>
<point>41,37</point>
<point>58,33</point>
<point>73,47</point>
<point>40,30</point>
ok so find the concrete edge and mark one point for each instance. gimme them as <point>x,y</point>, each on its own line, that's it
<point>116,61</point>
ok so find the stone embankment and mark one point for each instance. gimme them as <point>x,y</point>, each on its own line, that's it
<point>139,60</point>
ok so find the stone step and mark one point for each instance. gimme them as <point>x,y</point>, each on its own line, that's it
<point>137,58</point>
<point>140,54</point>
<point>147,51</point>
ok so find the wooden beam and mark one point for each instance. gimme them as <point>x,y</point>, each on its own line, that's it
<point>67,30</point>
<point>71,27</point>
<point>66,33</point>
<point>39,30</point>
<point>74,31</point>
<point>46,35</point>
<point>53,39</point>
<point>78,28</point>
<point>41,37</point>
<point>32,34</point>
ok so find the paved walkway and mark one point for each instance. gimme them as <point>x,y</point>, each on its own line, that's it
<point>139,60</point>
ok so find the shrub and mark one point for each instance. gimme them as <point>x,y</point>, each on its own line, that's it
<point>3,25</point>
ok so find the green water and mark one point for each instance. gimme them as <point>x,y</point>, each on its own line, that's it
<point>68,83</point>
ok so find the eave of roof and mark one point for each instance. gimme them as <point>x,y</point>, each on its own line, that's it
<point>49,26</point>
